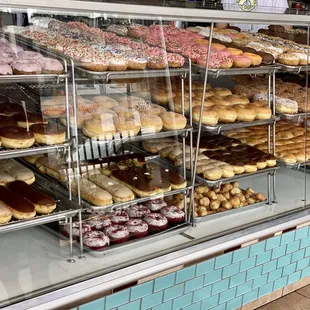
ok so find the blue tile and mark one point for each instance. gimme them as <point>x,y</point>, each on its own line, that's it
<point>305,272</point>
<point>270,266</point>
<point>303,263</point>
<point>220,307</point>
<point>289,269</point>
<point>193,307</point>
<point>235,303</point>
<point>278,252</point>
<point>152,300</point>
<point>173,292</point>
<point>298,255</point>
<point>117,299</point>
<point>254,273</point>
<point>220,286</point>
<point>294,277</point>
<point>275,275</point>
<point>193,285</point>
<point>257,248</point>
<point>185,274</point>
<point>164,282</point>
<point>248,264</point>
<point>135,305</point>
<point>213,277</point>
<point>231,270</point>
<point>263,258</point>
<point>228,295</point>
<point>141,290</point>
<point>260,281</point>
<point>202,293</point>
<point>307,251</point>
<point>241,254</point>
<point>293,247</point>
<point>280,283</point>
<point>265,290</point>
<point>210,302</point>
<point>288,237</point>
<point>304,242</point>
<point>244,288</point>
<point>250,296</point>
<point>273,243</point>
<point>94,305</point>
<point>284,261</point>
<point>301,233</point>
<point>182,301</point>
<point>205,267</point>
<point>165,306</point>
<point>237,279</point>
<point>223,260</point>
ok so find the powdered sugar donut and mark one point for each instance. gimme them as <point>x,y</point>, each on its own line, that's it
<point>50,65</point>
<point>137,212</point>
<point>155,205</point>
<point>5,69</point>
<point>96,240</point>
<point>117,233</point>
<point>156,221</point>
<point>173,214</point>
<point>75,230</point>
<point>119,217</point>
<point>99,222</point>
<point>137,228</point>
<point>29,55</point>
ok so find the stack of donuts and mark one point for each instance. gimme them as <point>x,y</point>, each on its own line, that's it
<point>102,228</point>
<point>291,141</point>
<point>14,60</point>
<point>208,201</point>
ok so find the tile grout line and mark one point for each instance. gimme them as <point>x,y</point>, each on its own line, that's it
<point>301,294</point>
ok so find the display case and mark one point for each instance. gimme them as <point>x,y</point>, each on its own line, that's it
<point>159,145</point>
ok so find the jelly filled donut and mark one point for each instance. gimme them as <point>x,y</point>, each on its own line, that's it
<point>96,240</point>
<point>117,233</point>
<point>156,221</point>
<point>16,137</point>
<point>137,228</point>
<point>119,217</point>
<point>173,214</point>
<point>137,211</point>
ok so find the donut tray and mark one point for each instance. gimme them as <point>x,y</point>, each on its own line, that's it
<point>293,117</point>
<point>225,127</point>
<point>38,78</point>
<point>294,69</point>
<point>295,166</point>
<point>206,218</point>
<point>237,71</point>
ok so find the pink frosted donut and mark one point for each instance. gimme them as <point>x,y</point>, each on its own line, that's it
<point>75,230</point>
<point>240,61</point>
<point>175,60</point>
<point>173,214</point>
<point>137,228</point>
<point>6,58</point>
<point>99,222</point>
<point>24,66</point>
<point>5,69</point>
<point>119,217</point>
<point>117,233</point>
<point>96,240</point>
<point>7,49</point>
<point>50,65</point>
<point>155,205</point>
<point>16,48</point>
<point>224,53</point>
<point>29,55</point>
<point>137,212</point>
<point>156,221</point>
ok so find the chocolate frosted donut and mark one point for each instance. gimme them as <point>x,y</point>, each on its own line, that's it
<point>29,119</point>
<point>10,109</point>
<point>7,121</point>
<point>268,59</point>
<point>48,134</point>
<point>16,137</point>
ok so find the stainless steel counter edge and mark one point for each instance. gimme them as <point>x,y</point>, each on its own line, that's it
<point>88,288</point>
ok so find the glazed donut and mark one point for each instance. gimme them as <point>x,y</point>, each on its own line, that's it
<point>117,233</point>
<point>256,59</point>
<point>220,101</point>
<point>99,222</point>
<point>156,222</point>
<point>137,211</point>
<point>244,113</point>
<point>250,167</point>
<point>137,228</point>
<point>236,99</point>
<point>241,61</point>
<point>48,134</point>
<point>155,205</point>
<point>102,128</point>
<point>234,51</point>
<point>126,127</point>
<point>226,115</point>
<point>150,123</point>
<point>218,46</point>
<point>131,102</point>
<point>16,137</point>
<point>212,173</point>
<point>154,109</point>
<point>221,92</point>
<point>209,116</point>
<point>173,214</point>
<point>162,96</point>
<point>173,121</point>
<point>126,113</point>
<point>105,101</point>
<point>262,113</point>
<point>96,240</point>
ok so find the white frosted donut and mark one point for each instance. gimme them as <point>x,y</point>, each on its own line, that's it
<point>119,217</point>
<point>137,211</point>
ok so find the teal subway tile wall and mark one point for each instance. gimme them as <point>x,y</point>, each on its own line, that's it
<point>224,282</point>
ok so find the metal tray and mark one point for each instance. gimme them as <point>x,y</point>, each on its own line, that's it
<point>295,166</point>
<point>295,69</point>
<point>219,182</point>
<point>293,117</point>
<point>237,71</point>
<point>39,78</point>
<point>228,212</point>
<point>225,127</point>
<point>65,208</point>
